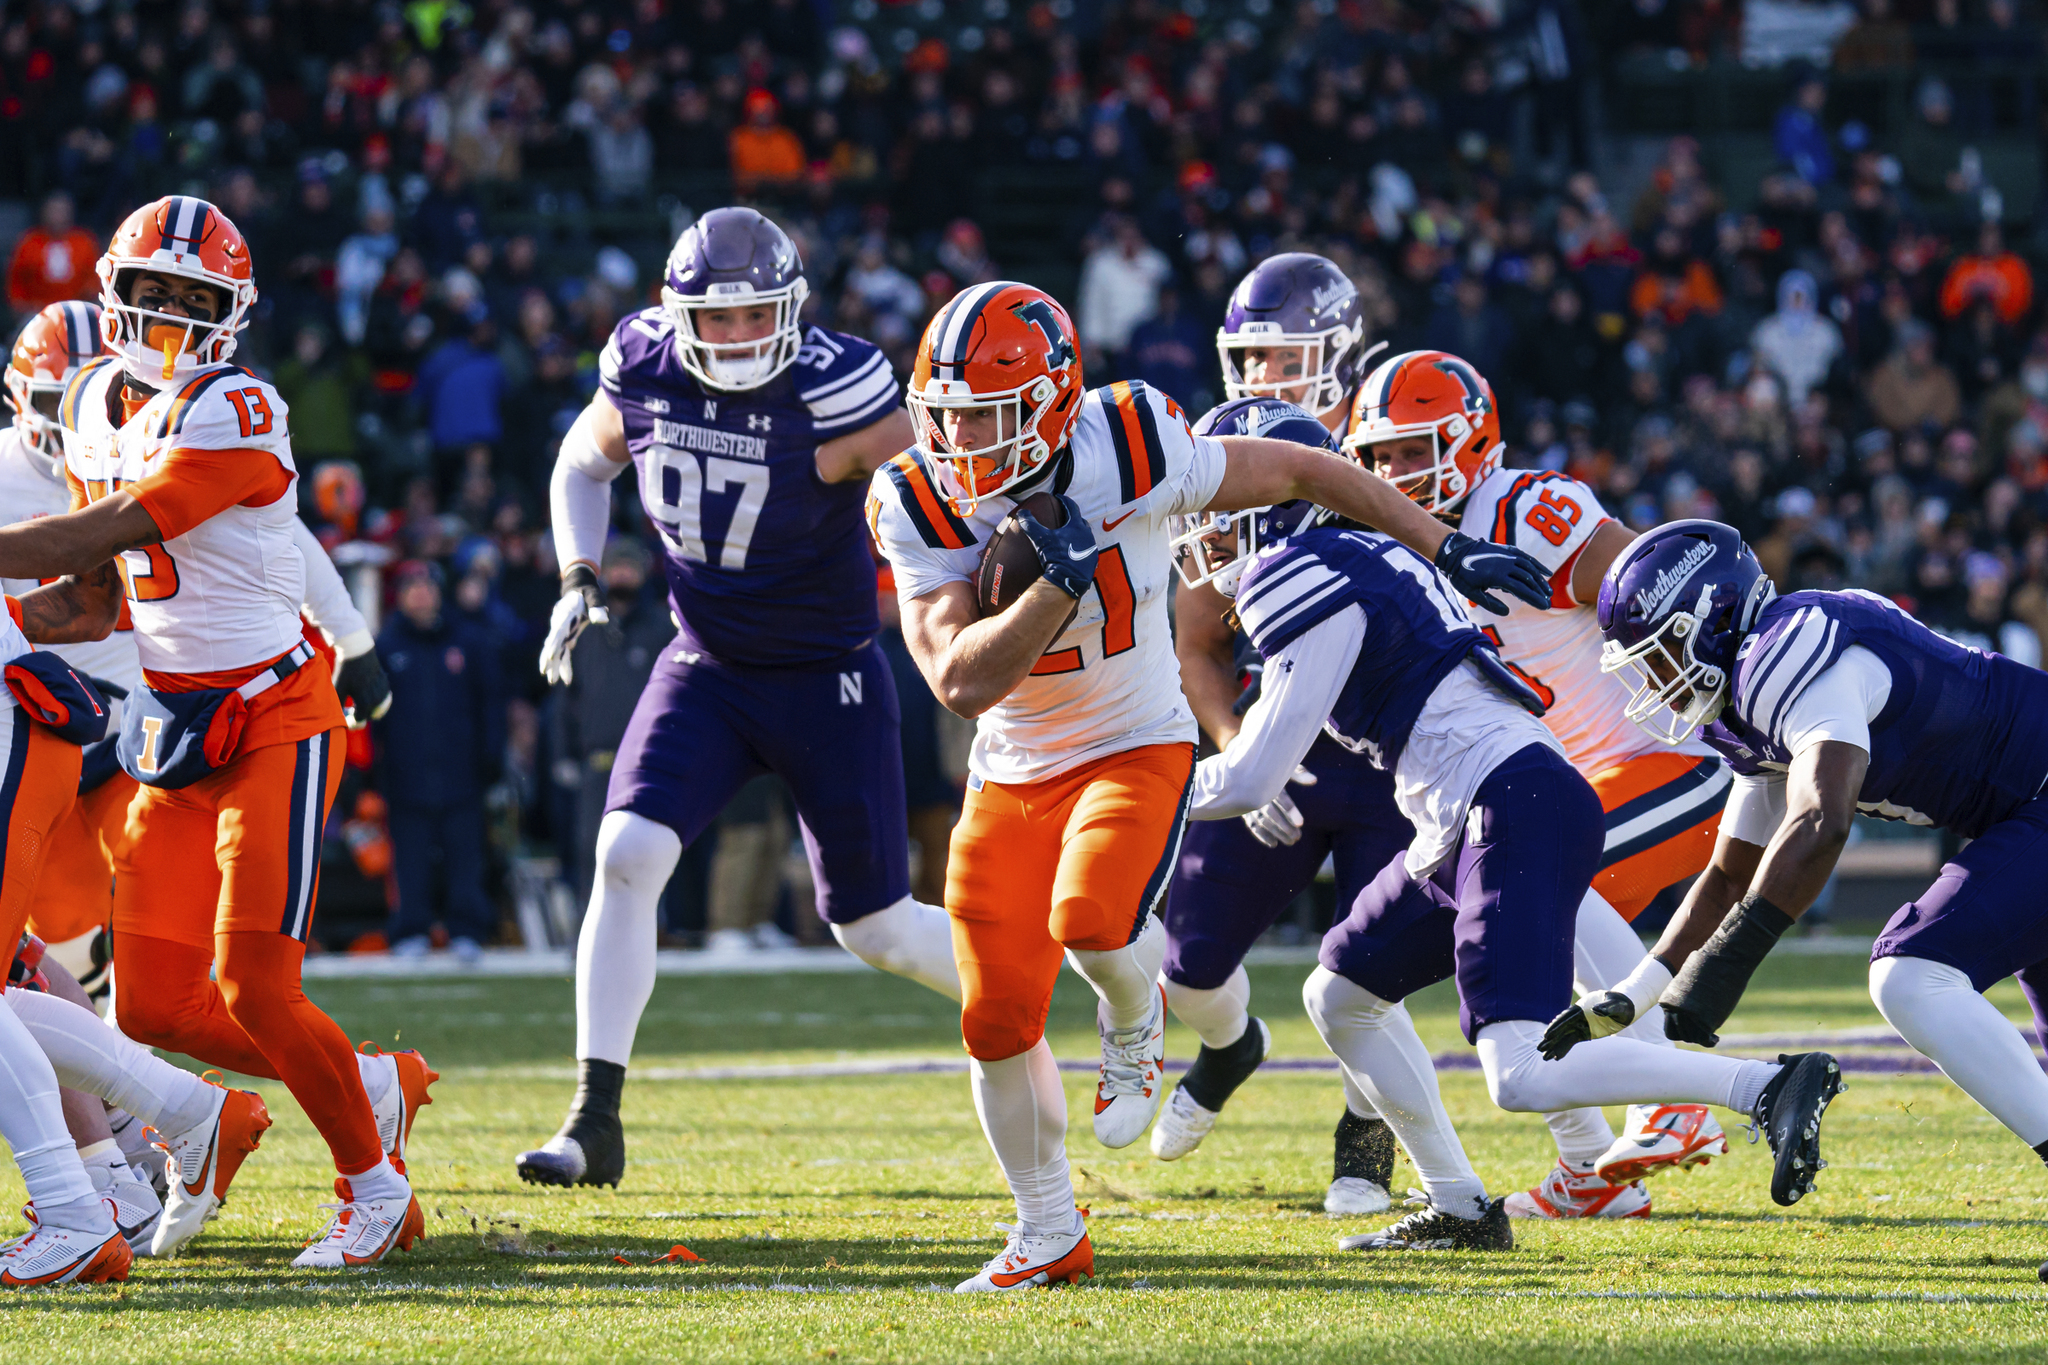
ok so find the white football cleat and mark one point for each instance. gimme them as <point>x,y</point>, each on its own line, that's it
<point>362,1231</point>
<point>1029,1260</point>
<point>406,1077</point>
<point>1566,1193</point>
<point>1182,1126</point>
<point>1659,1138</point>
<point>1130,1085</point>
<point>200,1161</point>
<point>137,1211</point>
<point>54,1255</point>
<point>1352,1196</point>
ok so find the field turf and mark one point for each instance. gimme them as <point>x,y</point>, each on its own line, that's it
<point>829,1213</point>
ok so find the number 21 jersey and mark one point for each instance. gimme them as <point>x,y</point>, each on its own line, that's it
<point>768,566</point>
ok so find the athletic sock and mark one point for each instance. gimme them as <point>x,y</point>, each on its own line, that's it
<point>259,978</point>
<point>89,1055</point>
<point>88,1213</point>
<point>104,1163</point>
<point>168,999</point>
<point>1219,1071</point>
<point>381,1181</point>
<point>1023,1110</point>
<point>133,1135</point>
<point>1945,1018</point>
<point>1125,979</point>
<point>908,939</point>
<point>1376,1043</point>
<point>615,951</point>
<point>1365,1150</point>
<point>1582,1136</point>
<point>1218,1015</point>
<point>1749,1087</point>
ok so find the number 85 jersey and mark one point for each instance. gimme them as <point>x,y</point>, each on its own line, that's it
<point>210,458</point>
<point>1552,517</point>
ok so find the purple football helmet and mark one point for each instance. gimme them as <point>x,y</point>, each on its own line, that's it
<point>1214,547</point>
<point>1297,301</point>
<point>1673,609</point>
<point>735,258</point>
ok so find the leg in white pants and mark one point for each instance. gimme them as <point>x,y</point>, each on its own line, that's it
<point>1023,1110</point>
<point>1936,1009</point>
<point>1617,1070</point>
<point>32,1121</point>
<point>1220,1015</point>
<point>908,939</point>
<point>1125,979</point>
<point>1376,1043</point>
<point>615,952</point>
<point>87,1055</point>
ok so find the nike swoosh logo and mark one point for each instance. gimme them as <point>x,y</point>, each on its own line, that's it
<point>1101,1103</point>
<point>1108,526</point>
<point>1078,555</point>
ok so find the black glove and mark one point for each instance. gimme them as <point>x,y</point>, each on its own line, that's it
<point>1595,1016</point>
<point>1710,984</point>
<point>1067,552</point>
<point>1474,566</point>
<point>365,691</point>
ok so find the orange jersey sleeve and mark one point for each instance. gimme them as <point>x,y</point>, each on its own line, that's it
<point>193,485</point>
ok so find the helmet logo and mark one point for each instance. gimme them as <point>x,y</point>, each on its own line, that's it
<point>1468,379</point>
<point>1059,352</point>
<point>1670,582</point>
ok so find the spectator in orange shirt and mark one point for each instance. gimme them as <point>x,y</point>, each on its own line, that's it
<point>1994,274</point>
<point>1673,283</point>
<point>53,261</point>
<point>762,149</point>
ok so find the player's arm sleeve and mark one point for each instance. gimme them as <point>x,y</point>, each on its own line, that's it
<point>1299,686</point>
<point>580,495</point>
<point>1840,704</point>
<point>916,530</point>
<point>1756,807</point>
<point>327,603</point>
<point>192,485</point>
<point>1551,518</point>
<point>846,383</point>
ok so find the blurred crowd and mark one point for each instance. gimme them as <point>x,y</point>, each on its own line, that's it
<point>450,205</point>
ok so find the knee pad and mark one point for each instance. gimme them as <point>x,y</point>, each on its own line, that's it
<point>1899,984</point>
<point>994,1033</point>
<point>1514,1071</point>
<point>634,852</point>
<point>874,940</point>
<point>1086,923</point>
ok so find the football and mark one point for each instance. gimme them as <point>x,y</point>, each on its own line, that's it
<point>1008,563</point>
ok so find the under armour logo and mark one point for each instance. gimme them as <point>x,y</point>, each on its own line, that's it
<point>757,421</point>
<point>710,410</point>
<point>849,689</point>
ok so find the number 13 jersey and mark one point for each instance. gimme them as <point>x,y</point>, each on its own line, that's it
<point>210,458</point>
<point>768,565</point>
<point>1552,517</point>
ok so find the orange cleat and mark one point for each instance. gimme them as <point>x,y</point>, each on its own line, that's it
<point>1659,1138</point>
<point>201,1162</point>
<point>1030,1260</point>
<point>403,1097</point>
<point>363,1231</point>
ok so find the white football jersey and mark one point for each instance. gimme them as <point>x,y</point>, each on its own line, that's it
<point>32,486</point>
<point>223,593</point>
<point>1552,516</point>
<point>1110,682</point>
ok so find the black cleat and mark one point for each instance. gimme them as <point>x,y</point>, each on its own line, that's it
<point>2043,1272</point>
<point>1789,1114</point>
<point>1365,1150</point>
<point>1219,1071</point>
<point>591,1147</point>
<point>1429,1229</point>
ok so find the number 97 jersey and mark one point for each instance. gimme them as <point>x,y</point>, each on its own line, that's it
<point>1552,517</point>
<point>210,459</point>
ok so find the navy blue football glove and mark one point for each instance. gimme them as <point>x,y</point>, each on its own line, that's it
<point>1474,566</point>
<point>1066,553</point>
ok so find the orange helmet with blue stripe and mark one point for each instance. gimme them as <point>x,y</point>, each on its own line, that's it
<point>56,341</point>
<point>189,238</point>
<point>1437,395</point>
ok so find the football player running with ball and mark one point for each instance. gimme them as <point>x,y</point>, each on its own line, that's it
<point>1827,704</point>
<point>752,436</point>
<point>1362,638</point>
<point>1427,422</point>
<point>1293,352</point>
<point>1082,761</point>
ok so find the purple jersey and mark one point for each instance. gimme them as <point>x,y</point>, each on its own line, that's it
<point>1960,743</point>
<point>1416,631</point>
<point>768,566</point>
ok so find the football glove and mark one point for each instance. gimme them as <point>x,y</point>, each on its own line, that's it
<point>1599,1015</point>
<point>1067,552</point>
<point>1278,823</point>
<point>1474,566</point>
<point>581,604</point>
<point>365,691</point>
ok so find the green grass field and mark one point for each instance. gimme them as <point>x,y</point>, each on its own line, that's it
<point>830,1213</point>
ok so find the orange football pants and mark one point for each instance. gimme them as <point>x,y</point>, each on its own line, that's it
<point>76,894</point>
<point>38,788</point>
<point>1075,861</point>
<point>213,900</point>
<point>1663,815</point>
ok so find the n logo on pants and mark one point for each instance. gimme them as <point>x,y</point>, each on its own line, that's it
<point>849,689</point>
